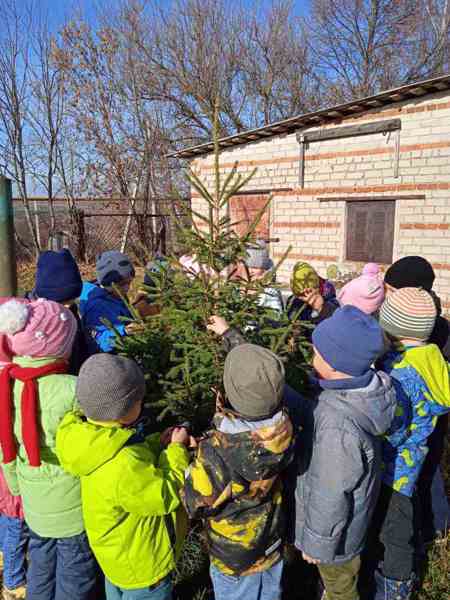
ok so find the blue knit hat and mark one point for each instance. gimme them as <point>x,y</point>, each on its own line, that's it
<point>57,276</point>
<point>349,341</point>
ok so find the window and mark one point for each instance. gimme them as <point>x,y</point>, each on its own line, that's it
<point>370,231</point>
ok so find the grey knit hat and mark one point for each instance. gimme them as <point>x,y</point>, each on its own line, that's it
<point>113,267</point>
<point>254,381</point>
<point>258,256</point>
<point>108,387</point>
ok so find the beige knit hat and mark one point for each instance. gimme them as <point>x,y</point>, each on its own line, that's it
<point>409,313</point>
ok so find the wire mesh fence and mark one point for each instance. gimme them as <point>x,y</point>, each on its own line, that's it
<point>96,225</point>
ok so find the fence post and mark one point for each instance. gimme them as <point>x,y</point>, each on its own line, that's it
<point>78,229</point>
<point>8,266</point>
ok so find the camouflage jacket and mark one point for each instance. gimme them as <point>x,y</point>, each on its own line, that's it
<point>234,484</point>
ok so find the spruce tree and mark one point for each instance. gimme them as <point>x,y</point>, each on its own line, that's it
<point>183,361</point>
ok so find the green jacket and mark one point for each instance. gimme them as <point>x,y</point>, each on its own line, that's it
<point>130,493</point>
<point>51,497</point>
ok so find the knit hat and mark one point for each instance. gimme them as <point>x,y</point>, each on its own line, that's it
<point>6,354</point>
<point>57,276</point>
<point>156,266</point>
<point>258,256</point>
<point>410,271</point>
<point>254,381</point>
<point>304,277</point>
<point>365,292</point>
<point>113,267</point>
<point>39,329</point>
<point>349,341</point>
<point>108,387</point>
<point>409,313</point>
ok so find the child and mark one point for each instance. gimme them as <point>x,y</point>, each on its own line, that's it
<point>365,292</point>
<point>13,531</point>
<point>415,271</point>
<point>421,378</point>
<point>130,484</point>
<point>313,296</point>
<point>40,336</point>
<point>58,278</point>
<point>235,484</point>
<point>340,466</point>
<point>256,265</point>
<point>104,301</point>
<point>156,271</point>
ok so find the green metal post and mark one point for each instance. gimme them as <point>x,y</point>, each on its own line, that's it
<point>8,267</point>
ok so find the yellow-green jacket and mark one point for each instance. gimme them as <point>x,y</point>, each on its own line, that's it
<point>130,497</point>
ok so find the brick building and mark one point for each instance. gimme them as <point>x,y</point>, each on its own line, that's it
<point>364,181</point>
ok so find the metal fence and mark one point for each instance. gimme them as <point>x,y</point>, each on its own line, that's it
<point>96,225</point>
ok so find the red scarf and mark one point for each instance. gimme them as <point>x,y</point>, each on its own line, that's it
<point>29,409</point>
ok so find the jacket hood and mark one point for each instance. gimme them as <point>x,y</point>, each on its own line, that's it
<point>82,446</point>
<point>255,450</point>
<point>432,367</point>
<point>372,408</point>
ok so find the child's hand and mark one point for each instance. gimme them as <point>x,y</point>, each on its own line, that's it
<point>217,325</point>
<point>310,560</point>
<point>313,299</point>
<point>166,436</point>
<point>180,436</point>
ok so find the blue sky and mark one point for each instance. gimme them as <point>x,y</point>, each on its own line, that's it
<point>58,10</point>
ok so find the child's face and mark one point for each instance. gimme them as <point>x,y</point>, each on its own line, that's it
<point>124,285</point>
<point>132,415</point>
<point>321,367</point>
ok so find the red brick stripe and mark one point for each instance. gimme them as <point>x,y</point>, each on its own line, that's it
<point>388,187</point>
<point>306,225</point>
<point>432,226</point>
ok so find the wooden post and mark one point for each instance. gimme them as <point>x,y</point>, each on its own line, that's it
<point>8,265</point>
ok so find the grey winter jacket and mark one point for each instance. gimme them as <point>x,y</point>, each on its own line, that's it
<point>339,473</point>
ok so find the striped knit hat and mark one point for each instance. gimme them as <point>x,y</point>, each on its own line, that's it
<point>408,313</point>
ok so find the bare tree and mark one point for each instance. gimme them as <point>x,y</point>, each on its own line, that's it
<point>15,55</point>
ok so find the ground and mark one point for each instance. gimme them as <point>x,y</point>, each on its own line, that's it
<point>435,582</point>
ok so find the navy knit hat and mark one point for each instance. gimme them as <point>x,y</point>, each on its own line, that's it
<point>349,341</point>
<point>411,272</point>
<point>57,276</point>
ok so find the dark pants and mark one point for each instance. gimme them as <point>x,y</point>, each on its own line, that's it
<point>393,532</point>
<point>13,543</point>
<point>434,507</point>
<point>61,569</point>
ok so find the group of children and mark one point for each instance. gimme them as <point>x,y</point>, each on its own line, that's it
<point>90,504</point>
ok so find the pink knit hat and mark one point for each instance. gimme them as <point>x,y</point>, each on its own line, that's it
<point>365,292</point>
<point>38,329</point>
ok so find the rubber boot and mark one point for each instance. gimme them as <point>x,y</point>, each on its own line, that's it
<point>392,589</point>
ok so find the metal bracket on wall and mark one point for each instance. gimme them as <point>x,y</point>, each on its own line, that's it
<point>336,133</point>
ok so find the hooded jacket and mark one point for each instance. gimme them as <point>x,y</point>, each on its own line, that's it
<point>339,472</point>
<point>422,381</point>
<point>51,497</point>
<point>235,486</point>
<point>130,497</point>
<point>97,305</point>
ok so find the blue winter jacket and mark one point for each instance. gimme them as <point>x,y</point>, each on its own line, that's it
<point>339,472</point>
<point>96,305</point>
<point>422,382</point>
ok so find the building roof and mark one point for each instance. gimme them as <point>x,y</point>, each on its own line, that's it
<point>320,117</point>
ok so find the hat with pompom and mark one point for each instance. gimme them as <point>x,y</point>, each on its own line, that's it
<point>38,329</point>
<point>365,292</point>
